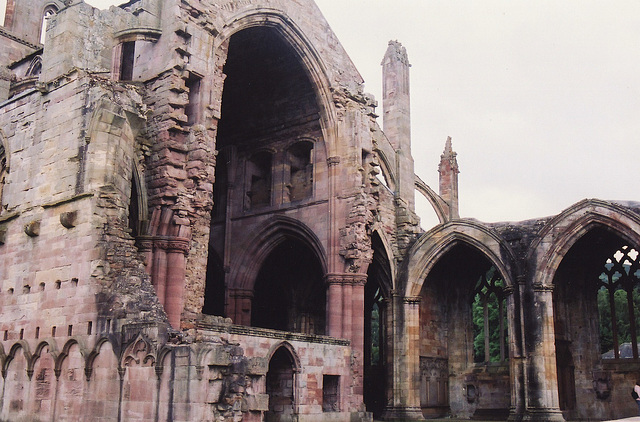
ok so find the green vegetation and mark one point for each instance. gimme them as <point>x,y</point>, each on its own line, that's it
<point>488,307</point>
<point>622,316</point>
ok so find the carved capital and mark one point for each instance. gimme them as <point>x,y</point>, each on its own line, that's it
<point>412,300</point>
<point>541,288</point>
<point>333,161</point>
<point>179,245</point>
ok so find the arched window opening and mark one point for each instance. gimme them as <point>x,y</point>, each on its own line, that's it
<point>489,318</point>
<point>619,304</point>
<point>49,11</point>
<point>289,292</point>
<point>137,207</point>
<point>300,161</point>
<point>258,171</point>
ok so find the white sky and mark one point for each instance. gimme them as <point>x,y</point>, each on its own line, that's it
<point>541,98</point>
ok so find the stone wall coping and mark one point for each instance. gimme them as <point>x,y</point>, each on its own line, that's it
<point>268,333</point>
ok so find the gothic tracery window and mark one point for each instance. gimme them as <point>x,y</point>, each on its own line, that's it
<point>619,304</point>
<point>489,318</point>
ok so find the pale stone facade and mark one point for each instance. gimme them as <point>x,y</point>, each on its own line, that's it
<point>201,220</point>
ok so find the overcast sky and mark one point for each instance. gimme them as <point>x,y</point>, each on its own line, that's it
<point>541,98</point>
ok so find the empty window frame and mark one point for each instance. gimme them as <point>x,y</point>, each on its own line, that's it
<point>300,160</point>
<point>49,11</point>
<point>330,393</point>
<point>259,180</point>
<point>127,59</point>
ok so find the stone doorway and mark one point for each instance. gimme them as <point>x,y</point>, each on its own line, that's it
<point>281,387</point>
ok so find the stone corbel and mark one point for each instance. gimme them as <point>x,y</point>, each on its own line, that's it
<point>32,229</point>
<point>68,219</point>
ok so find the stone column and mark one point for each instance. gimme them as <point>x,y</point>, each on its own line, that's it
<point>542,383</point>
<point>517,359</point>
<point>357,327</point>
<point>176,266</point>
<point>406,365</point>
<point>334,305</point>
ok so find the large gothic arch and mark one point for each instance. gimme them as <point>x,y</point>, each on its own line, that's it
<point>438,241</point>
<point>310,57</point>
<point>559,235</point>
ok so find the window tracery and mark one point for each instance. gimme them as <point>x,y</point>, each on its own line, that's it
<point>489,318</point>
<point>618,299</point>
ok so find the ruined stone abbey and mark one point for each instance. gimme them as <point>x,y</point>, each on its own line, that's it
<point>201,220</point>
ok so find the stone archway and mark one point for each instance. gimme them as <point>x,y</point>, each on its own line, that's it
<point>281,387</point>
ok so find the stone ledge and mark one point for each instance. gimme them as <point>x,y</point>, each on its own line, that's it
<point>275,334</point>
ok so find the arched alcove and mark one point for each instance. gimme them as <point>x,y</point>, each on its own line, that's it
<point>454,370</point>
<point>289,293</point>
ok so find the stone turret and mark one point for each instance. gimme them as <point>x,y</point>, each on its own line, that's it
<point>449,170</point>
<point>397,117</point>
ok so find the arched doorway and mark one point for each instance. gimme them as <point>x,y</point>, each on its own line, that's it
<point>281,387</point>
<point>464,370</point>
<point>376,311</point>
<point>289,293</point>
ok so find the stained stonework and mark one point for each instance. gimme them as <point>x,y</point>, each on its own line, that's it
<point>201,219</point>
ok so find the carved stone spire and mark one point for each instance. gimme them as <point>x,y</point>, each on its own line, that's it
<point>449,170</point>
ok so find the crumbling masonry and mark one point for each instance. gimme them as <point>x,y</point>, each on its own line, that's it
<point>201,220</point>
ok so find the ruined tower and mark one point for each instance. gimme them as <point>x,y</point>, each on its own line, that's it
<point>396,121</point>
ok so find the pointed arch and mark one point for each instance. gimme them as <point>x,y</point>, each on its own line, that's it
<point>441,239</point>
<point>64,353</point>
<point>13,352</point>
<point>563,231</point>
<point>291,351</point>
<point>311,59</point>
<point>275,231</point>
